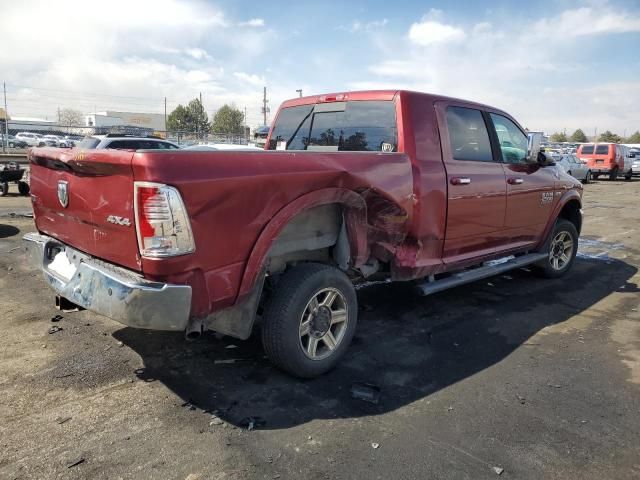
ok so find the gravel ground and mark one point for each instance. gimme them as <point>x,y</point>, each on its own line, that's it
<point>516,377</point>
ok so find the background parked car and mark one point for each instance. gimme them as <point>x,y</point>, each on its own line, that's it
<point>575,167</point>
<point>58,141</point>
<point>126,142</point>
<point>13,142</point>
<point>31,139</point>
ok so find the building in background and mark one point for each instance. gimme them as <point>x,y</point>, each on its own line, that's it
<point>147,121</point>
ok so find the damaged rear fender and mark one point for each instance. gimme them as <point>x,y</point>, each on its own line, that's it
<point>355,216</point>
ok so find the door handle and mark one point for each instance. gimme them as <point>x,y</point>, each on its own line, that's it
<point>460,181</point>
<point>515,181</point>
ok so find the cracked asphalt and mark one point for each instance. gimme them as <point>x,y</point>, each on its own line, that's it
<point>510,377</point>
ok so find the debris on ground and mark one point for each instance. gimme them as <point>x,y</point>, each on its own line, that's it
<point>367,392</point>
<point>55,329</point>
<point>230,346</point>
<point>56,318</point>
<point>375,446</point>
<point>552,385</point>
<point>498,470</point>
<point>215,420</point>
<point>75,463</point>
<point>120,344</point>
<point>251,423</point>
<point>521,399</point>
<point>61,420</point>
<point>226,360</point>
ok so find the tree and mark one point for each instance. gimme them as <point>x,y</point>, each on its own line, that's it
<point>228,120</point>
<point>70,117</point>
<point>634,138</point>
<point>609,137</point>
<point>578,136</point>
<point>559,137</point>
<point>191,118</point>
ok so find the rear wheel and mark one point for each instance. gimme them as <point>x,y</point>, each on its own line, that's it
<point>613,175</point>
<point>311,319</point>
<point>562,247</point>
<point>4,189</point>
<point>23,188</point>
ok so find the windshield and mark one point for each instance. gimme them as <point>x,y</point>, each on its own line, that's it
<point>587,149</point>
<point>339,126</point>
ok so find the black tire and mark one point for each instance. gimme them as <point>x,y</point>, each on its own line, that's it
<point>11,145</point>
<point>283,319</point>
<point>569,173</point>
<point>628,176</point>
<point>595,176</point>
<point>4,189</point>
<point>587,178</point>
<point>23,188</point>
<point>613,174</point>
<point>548,268</point>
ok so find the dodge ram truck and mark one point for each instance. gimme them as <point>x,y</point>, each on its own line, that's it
<point>396,185</point>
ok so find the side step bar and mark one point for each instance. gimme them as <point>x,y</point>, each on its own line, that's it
<point>478,273</point>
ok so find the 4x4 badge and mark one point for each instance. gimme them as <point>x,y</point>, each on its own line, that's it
<point>63,193</point>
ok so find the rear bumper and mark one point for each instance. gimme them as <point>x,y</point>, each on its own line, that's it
<point>110,290</point>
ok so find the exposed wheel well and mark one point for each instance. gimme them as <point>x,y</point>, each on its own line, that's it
<point>571,212</point>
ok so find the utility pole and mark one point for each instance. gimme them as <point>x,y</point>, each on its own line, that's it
<point>165,117</point>
<point>265,109</point>
<point>299,92</point>
<point>5,140</point>
<point>245,125</point>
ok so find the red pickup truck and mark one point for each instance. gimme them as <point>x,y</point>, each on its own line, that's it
<point>407,186</point>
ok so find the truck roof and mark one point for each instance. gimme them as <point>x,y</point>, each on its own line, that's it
<point>370,95</point>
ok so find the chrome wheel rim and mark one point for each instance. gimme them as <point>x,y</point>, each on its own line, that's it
<point>323,323</point>
<point>561,251</point>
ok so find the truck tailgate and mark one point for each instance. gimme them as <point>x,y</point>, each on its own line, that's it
<point>85,199</point>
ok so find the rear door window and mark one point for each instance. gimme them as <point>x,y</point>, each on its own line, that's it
<point>468,135</point>
<point>341,126</point>
<point>602,149</point>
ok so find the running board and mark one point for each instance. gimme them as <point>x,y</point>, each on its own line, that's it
<point>478,273</point>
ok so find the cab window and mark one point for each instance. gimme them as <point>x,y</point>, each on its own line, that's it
<point>512,140</point>
<point>468,135</point>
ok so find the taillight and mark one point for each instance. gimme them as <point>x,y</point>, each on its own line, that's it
<point>162,223</point>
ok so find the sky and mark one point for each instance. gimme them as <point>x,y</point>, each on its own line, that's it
<point>554,65</point>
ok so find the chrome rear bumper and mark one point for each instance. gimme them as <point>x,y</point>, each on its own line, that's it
<point>107,289</point>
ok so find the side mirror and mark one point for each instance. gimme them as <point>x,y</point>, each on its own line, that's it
<point>533,147</point>
<point>545,159</point>
<point>632,155</point>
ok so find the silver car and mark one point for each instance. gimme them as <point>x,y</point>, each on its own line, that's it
<point>575,167</point>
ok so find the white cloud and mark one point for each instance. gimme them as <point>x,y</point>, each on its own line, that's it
<point>429,32</point>
<point>252,79</point>
<point>197,53</point>
<point>587,21</point>
<point>254,22</point>
<point>522,70</point>
<point>360,26</point>
<point>432,30</point>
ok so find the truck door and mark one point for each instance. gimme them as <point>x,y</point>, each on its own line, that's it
<point>476,187</point>
<point>530,188</point>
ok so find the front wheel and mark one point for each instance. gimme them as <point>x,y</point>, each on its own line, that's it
<point>562,247</point>
<point>311,319</point>
<point>4,189</point>
<point>587,178</point>
<point>628,175</point>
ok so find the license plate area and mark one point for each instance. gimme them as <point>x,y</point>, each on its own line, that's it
<point>59,262</point>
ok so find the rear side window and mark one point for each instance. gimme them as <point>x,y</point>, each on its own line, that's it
<point>468,135</point>
<point>587,149</point>
<point>602,149</point>
<point>342,126</point>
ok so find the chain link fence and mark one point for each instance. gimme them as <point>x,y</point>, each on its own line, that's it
<point>55,135</point>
